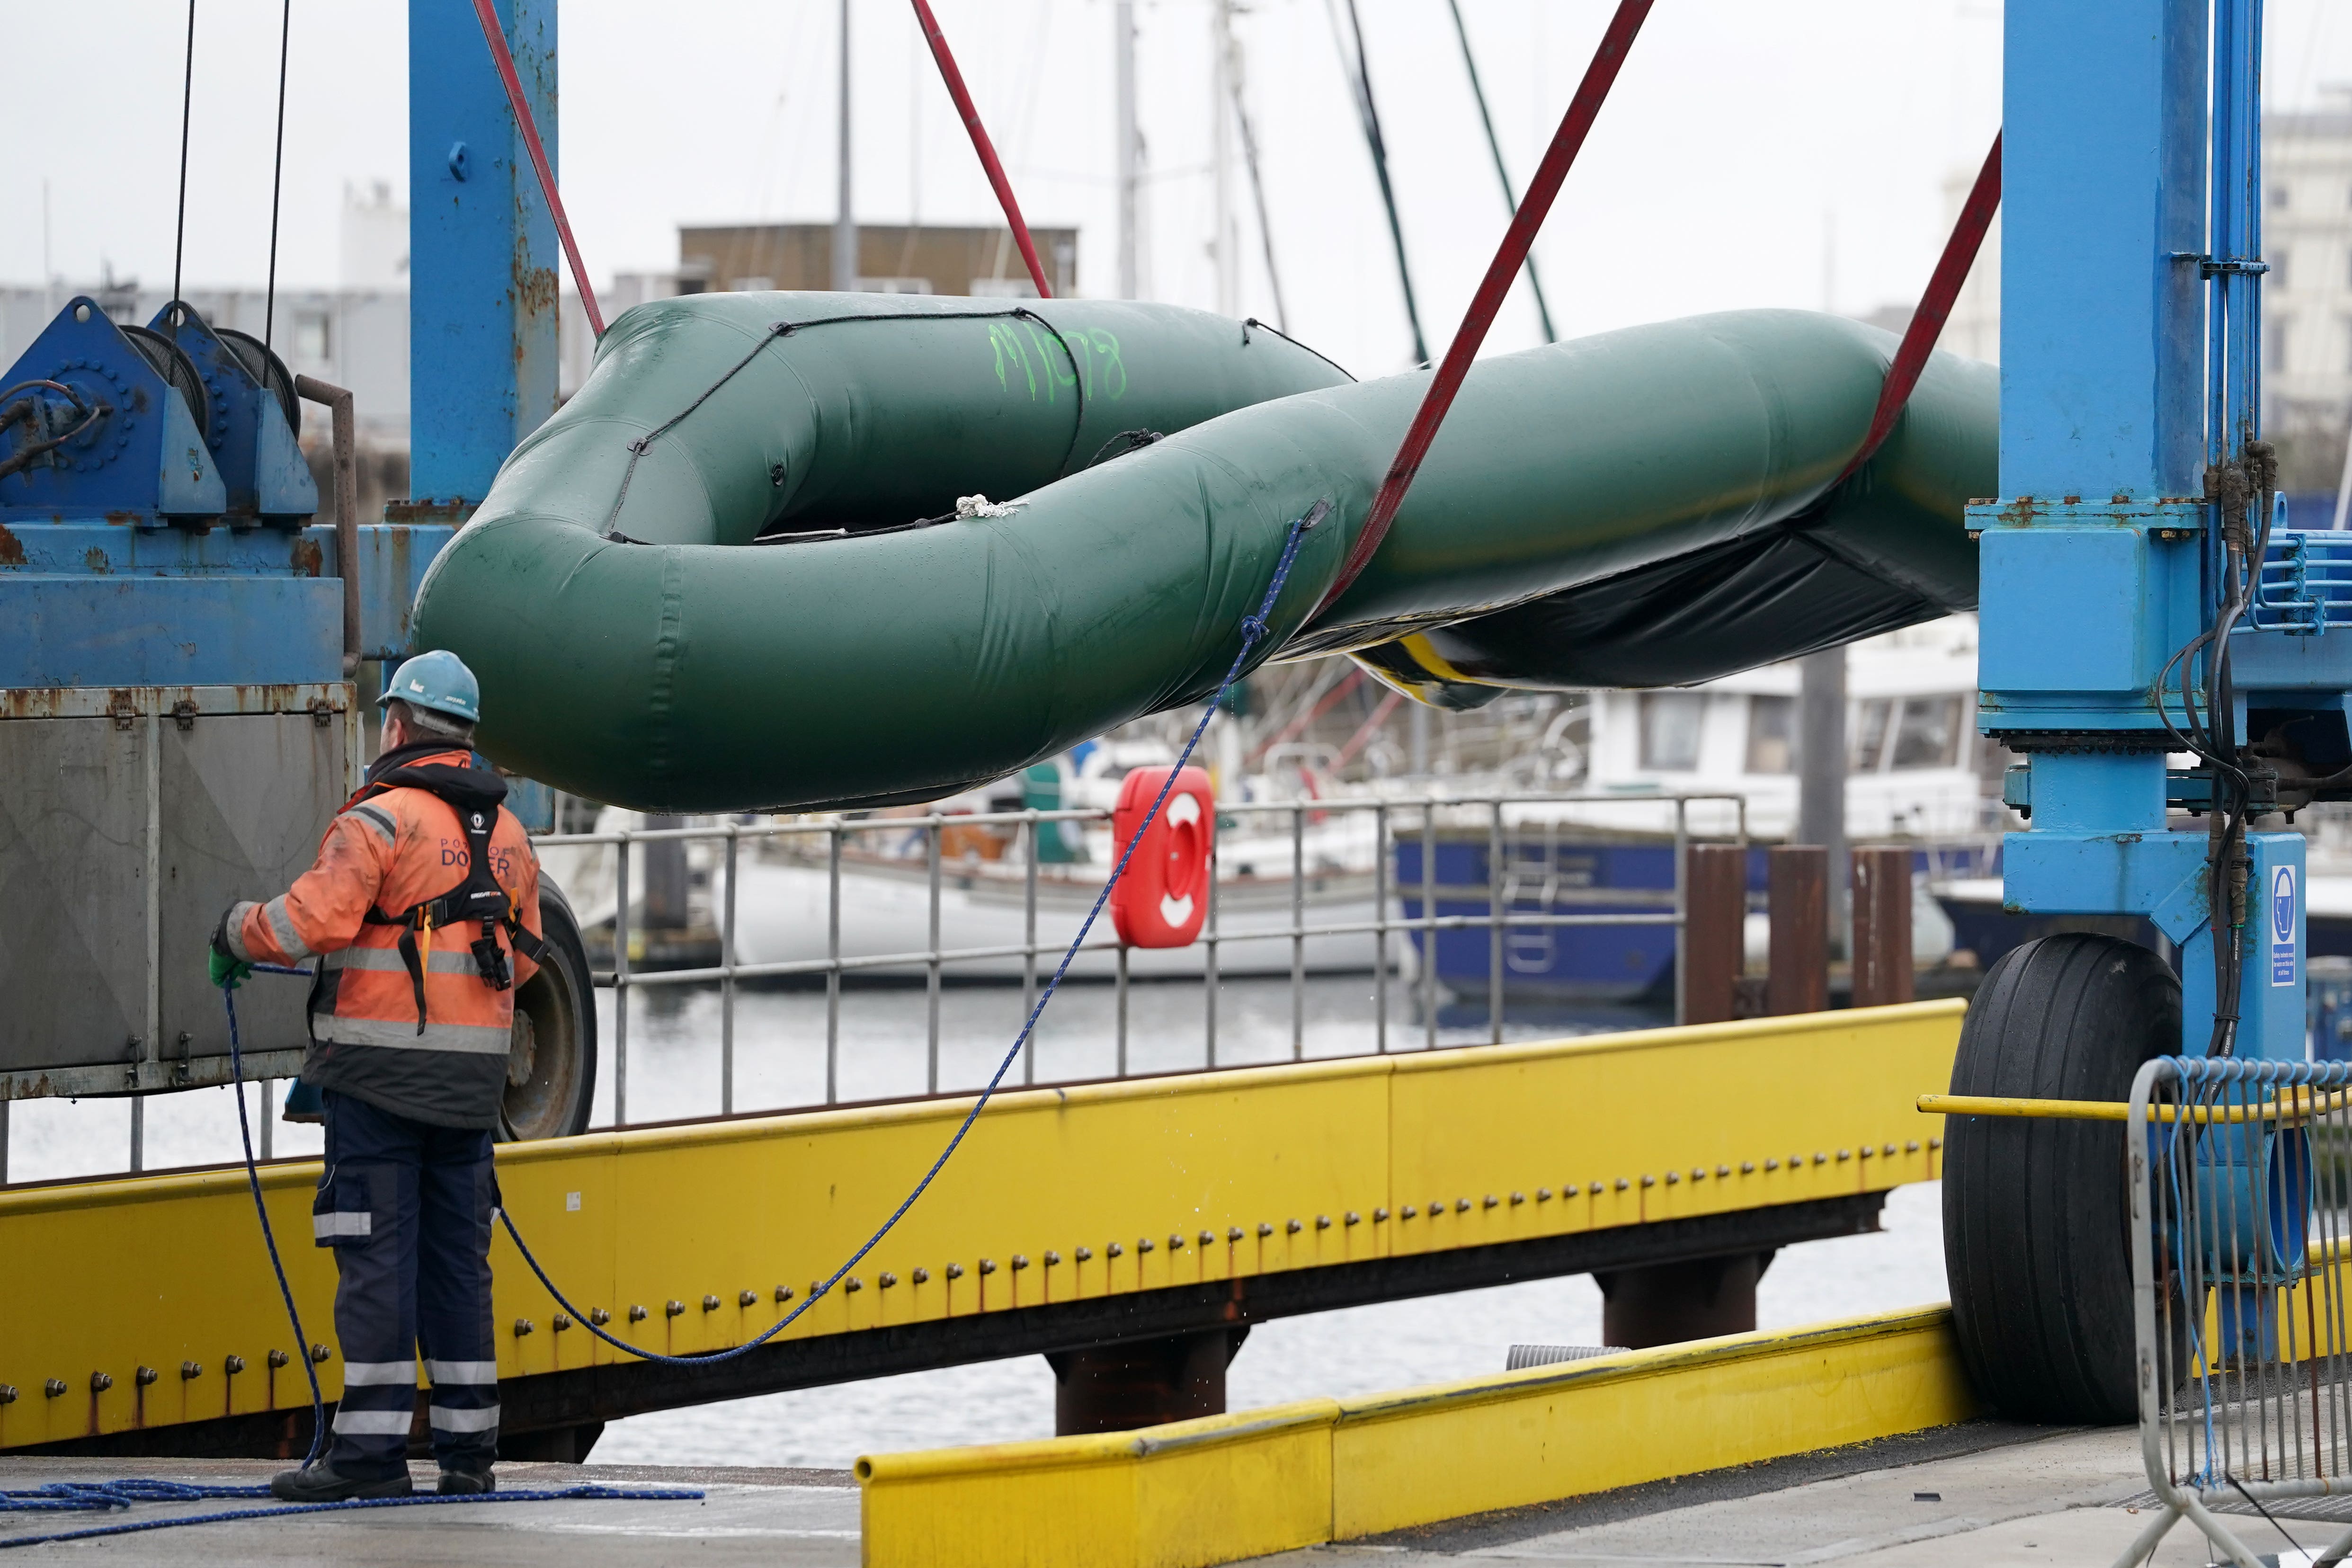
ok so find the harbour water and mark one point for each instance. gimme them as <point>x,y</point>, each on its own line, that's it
<point>883,1050</point>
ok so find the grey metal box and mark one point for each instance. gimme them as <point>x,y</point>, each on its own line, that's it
<point>130,818</point>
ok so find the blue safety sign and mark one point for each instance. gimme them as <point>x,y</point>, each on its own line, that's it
<point>2283,926</point>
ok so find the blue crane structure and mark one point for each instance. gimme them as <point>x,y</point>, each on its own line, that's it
<point>2155,641</point>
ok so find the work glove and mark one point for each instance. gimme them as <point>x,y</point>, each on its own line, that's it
<point>227,970</point>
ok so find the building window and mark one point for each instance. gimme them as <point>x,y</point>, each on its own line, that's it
<point>2278,197</point>
<point>1928,733</point>
<point>1772,735</point>
<point>1670,730</point>
<point>2277,260</point>
<point>1870,733</point>
<point>313,343</point>
<point>2281,331</point>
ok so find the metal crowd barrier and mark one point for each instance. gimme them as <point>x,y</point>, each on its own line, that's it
<point>1393,820</point>
<point>2242,1190</point>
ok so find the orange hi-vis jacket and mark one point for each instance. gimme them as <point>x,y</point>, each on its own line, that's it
<point>388,851</point>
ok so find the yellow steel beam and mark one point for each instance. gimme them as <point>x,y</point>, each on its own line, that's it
<point>1058,1195</point>
<point>2296,1104</point>
<point>1214,1490</point>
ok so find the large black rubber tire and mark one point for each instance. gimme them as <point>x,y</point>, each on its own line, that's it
<point>552,1075</point>
<point>2036,1210</point>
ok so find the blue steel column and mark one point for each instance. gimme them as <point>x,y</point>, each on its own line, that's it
<point>2098,559</point>
<point>482,249</point>
<point>2090,580</point>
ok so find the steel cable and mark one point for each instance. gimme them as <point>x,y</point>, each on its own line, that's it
<point>276,180</point>
<point>187,101</point>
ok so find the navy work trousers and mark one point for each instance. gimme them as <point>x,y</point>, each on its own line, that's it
<point>407,1207</point>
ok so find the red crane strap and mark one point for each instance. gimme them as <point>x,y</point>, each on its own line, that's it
<point>1935,308</point>
<point>1517,240</point>
<point>979,143</point>
<point>499,56</point>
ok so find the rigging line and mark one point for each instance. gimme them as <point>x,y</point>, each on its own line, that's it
<point>187,99</point>
<point>1360,82</point>
<point>980,144</point>
<point>500,57</point>
<point>1935,308</point>
<point>1257,193</point>
<point>276,177</point>
<point>1582,110</point>
<point>1501,172</point>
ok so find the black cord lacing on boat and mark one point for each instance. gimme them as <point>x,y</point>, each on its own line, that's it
<point>786,329</point>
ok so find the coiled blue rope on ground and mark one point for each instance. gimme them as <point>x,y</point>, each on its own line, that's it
<point>281,1510</point>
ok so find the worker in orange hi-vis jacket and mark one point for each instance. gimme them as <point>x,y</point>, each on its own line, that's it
<point>423,913</point>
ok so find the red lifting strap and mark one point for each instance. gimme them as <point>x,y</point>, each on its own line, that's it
<point>1935,309</point>
<point>499,56</point>
<point>1517,240</point>
<point>979,143</point>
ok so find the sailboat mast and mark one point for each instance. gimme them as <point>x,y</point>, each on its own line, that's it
<point>844,222</point>
<point>1123,63</point>
<point>1223,246</point>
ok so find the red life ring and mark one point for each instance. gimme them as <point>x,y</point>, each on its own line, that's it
<point>1163,896</point>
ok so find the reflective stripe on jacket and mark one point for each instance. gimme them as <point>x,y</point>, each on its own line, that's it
<point>390,852</point>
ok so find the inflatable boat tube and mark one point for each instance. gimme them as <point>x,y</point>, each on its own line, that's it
<point>731,573</point>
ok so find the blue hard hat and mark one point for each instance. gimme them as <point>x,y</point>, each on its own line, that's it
<point>439,680</point>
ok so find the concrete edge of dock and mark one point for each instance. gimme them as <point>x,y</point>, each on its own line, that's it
<point>1247,1484</point>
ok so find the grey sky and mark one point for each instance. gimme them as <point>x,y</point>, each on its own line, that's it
<point>1740,134</point>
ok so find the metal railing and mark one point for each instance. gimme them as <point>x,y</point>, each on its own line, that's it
<point>834,845</point>
<point>2240,1190</point>
<point>2305,583</point>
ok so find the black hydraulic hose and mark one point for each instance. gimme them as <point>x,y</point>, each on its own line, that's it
<point>2242,492</point>
<point>1359,79</point>
<point>1501,171</point>
<point>24,411</point>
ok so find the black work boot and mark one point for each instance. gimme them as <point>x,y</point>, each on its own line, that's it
<point>467,1483</point>
<point>323,1483</point>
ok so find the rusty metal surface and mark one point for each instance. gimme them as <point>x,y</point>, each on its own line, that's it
<point>1883,969</point>
<point>1713,932</point>
<point>130,818</point>
<point>1798,891</point>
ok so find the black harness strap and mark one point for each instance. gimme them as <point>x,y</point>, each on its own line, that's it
<point>474,794</point>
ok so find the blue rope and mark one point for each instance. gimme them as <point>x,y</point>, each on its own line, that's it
<point>96,1497</point>
<point>429,1500</point>
<point>65,1497</point>
<point>268,1236</point>
<point>92,1497</point>
<point>1254,630</point>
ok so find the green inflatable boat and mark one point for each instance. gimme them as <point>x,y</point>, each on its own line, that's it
<point>748,565</point>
